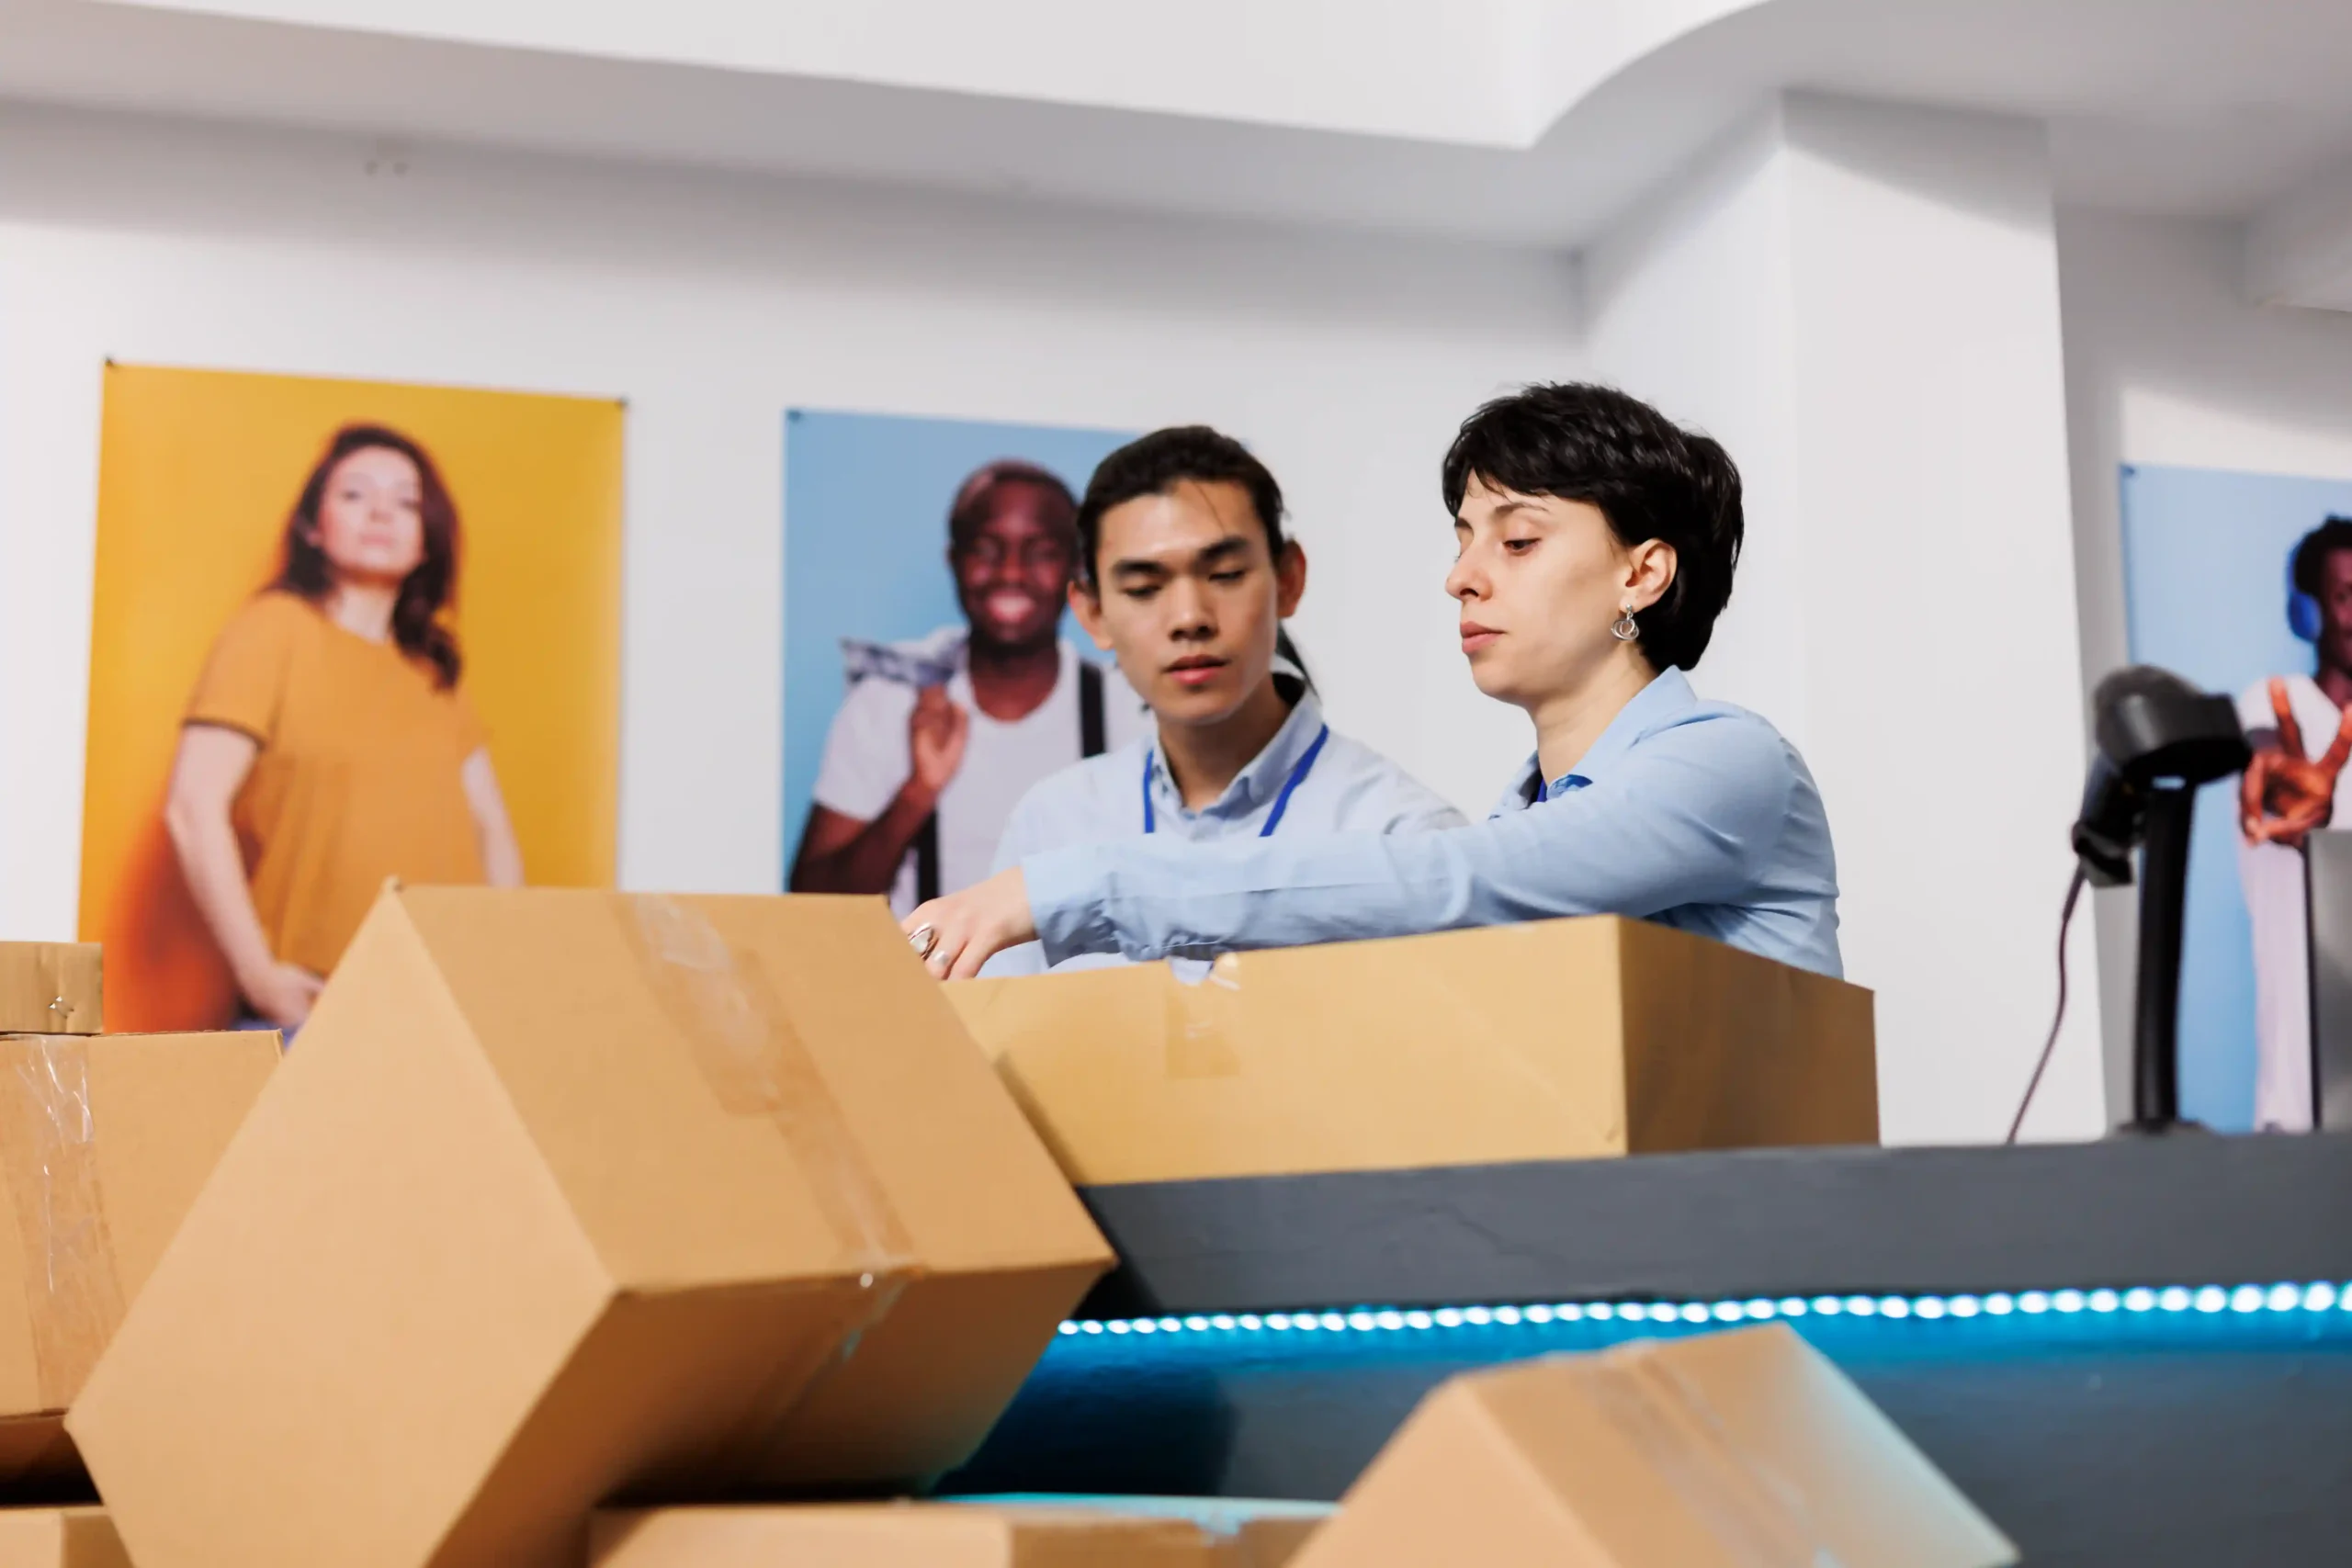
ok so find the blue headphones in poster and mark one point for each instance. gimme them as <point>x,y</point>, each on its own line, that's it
<point>2302,610</point>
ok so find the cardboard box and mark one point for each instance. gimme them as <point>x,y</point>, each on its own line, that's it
<point>1723,1450</point>
<point>568,1196</point>
<point>1553,1040</point>
<point>51,988</point>
<point>59,1538</point>
<point>1257,1532</point>
<point>104,1142</point>
<point>1094,1533</point>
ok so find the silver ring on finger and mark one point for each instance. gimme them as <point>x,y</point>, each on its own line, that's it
<point>924,938</point>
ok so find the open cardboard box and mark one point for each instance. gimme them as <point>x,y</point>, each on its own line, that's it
<point>1738,1450</point>
<point>104,1142</point>
<point>569,1196</point>
<point>1553,1040</point>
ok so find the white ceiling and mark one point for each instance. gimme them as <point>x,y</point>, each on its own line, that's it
<point>1518,121</point>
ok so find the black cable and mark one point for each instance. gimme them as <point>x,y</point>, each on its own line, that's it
<point>2065,918</point>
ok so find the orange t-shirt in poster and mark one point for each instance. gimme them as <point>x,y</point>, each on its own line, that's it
<point>357,778</point>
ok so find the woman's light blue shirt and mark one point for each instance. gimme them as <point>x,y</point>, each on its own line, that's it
<point>1693,814</point>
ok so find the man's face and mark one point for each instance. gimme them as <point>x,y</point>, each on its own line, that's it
<point>1012,571</point>
<point>1190,598</point>
<point>2335,610</point>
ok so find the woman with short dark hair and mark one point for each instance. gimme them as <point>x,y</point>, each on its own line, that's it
<point>1597,544</point>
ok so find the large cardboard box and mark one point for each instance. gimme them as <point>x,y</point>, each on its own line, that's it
<point>59,1538</point>
<point>51,988</point>
<point>1724,1450</point>
<point>1029,1534</point>
<point>104,1144</point>
<point>567,1196</point>
<point>1554,1039</point>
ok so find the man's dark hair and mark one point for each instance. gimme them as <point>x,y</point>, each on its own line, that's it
<point>2311,556</point>
<point>1157,463</point>
<point>1650,478</point>
<point>975,501</point>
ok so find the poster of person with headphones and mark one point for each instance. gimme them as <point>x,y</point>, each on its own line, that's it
<point>2301,728</point>
<point>927,680</point>
<point>2242,583</point>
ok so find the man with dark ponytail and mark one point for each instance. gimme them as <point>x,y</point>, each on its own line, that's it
<point>1185,574</point>
<point>1596,542</point>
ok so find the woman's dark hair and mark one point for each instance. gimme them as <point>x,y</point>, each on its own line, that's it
<point>1157,463</point>
<point>427,591</point>
<point>1651,479</point>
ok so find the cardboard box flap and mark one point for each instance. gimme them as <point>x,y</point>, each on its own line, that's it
<point>59,1538</point>
<point>1256,1533</point>
<point>1041,1534</point>
<point>1745,1449</point>
<point>52,988</point>
<point>1788,1446</point>
<point>696,1073</point>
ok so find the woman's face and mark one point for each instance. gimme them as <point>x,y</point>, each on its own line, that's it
<point>371,518</point>
<point>1540,580</point>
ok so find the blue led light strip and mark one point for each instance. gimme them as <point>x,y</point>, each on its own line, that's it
<point>2205,1298</point>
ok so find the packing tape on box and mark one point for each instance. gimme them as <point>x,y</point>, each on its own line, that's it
<point>1758,1514</point>
<point>48,1150</point>
<point>755,1062</point>
<point>1204,1014</point>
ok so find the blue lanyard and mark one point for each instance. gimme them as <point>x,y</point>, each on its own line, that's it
<point>1282,802</point>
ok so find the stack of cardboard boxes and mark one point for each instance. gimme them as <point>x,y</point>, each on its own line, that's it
<point>104,1141</point>
<point>572,1200</point>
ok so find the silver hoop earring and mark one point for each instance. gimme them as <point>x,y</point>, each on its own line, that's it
<point>1624,629</point>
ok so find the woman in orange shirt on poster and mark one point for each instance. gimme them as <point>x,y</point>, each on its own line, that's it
<point>328,746</point>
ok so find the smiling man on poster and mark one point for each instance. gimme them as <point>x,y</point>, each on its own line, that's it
<point>938,738</point>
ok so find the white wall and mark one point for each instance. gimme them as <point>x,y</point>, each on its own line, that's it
<point>1862,301</point>
<point>712,304</point>
<point>2167,362</point>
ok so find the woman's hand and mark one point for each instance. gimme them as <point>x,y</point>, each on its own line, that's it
<point>956,934</point>
<point>282,993</point>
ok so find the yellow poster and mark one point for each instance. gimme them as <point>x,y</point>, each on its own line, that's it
<point>343,630</point>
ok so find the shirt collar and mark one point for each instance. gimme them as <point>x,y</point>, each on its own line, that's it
<point>1263,776</point>
<point>1669,693</point>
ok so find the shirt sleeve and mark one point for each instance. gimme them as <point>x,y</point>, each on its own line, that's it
<point>2255,712</point>
<point>1022,835</point>
<point>1686,817</point>
<point>243,686</point>
<point>866,755</point>
<point>1029,958</point>
<point>1407,806</point>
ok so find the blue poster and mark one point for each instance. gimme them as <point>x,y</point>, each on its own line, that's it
<point>2210,562</point>
<point>883,599</point>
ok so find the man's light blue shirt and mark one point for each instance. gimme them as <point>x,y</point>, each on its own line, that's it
<point>1693,814</point>
<point>1349,788</point>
